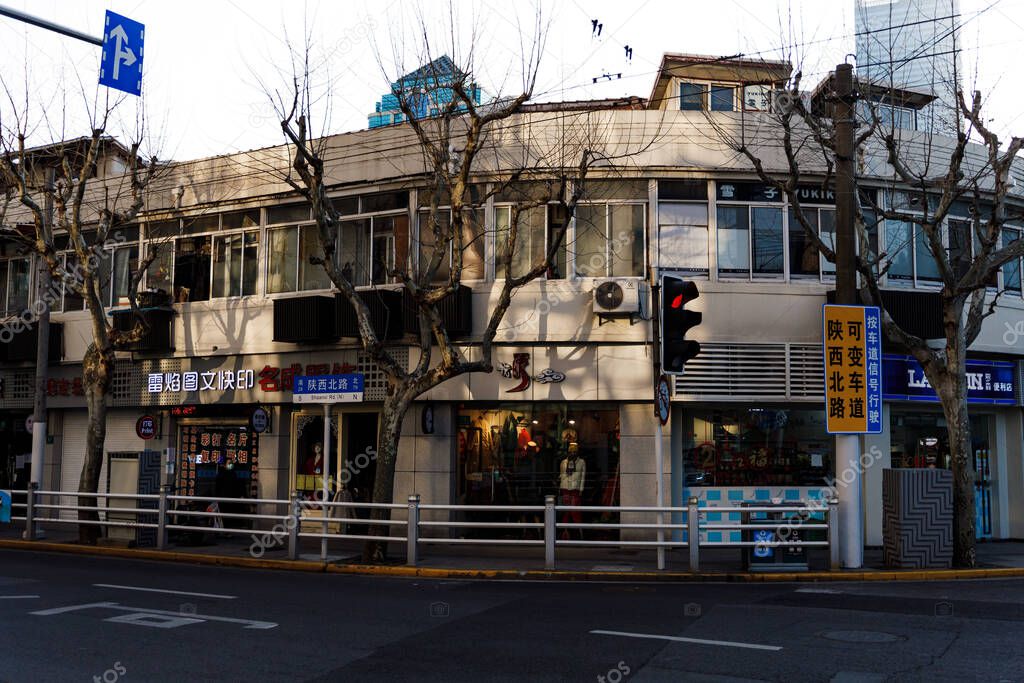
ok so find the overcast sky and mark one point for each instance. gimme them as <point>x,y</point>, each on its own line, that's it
<point>204,61</point>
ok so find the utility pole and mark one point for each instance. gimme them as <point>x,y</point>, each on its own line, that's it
<point>848,468</point>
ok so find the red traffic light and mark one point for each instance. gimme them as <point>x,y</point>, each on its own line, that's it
<point>678,301</point>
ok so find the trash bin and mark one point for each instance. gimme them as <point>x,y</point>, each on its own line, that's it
<point>768,558</point>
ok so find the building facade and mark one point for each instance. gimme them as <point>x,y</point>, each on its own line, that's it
<point>245,313</point>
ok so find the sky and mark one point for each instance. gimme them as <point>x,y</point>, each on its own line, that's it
<point>209,65</point>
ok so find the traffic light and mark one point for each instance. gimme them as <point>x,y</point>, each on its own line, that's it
<point>676,321</point>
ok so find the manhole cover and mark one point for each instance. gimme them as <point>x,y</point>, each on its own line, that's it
<point>861,636</point>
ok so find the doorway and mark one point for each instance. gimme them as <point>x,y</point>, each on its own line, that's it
<point>359,471</point>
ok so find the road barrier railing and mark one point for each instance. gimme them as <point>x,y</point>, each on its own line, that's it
<point>549,526</point>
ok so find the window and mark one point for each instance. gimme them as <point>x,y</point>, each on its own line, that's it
<point>1011,270</point>
<point>683,229</point>
<point>529,248</point>
<point>289,269</point>
<point>390,250</point>
<point>353,252</point>
<point>192,269</point>
<point>235,264</point>
<point>898,235</point>
<point>115,274</point>
<point>766,240</point>
<point>733,240</point>
<point>609,240</point>
<point>827,230</point>
<point>691,96</point>
<point>723,98</point>
<point>927,267</point>
<point>14,285</point>
<point>803,252</point>
<point>72,300</point>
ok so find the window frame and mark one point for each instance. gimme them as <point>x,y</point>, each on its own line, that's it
<point>571,252</point>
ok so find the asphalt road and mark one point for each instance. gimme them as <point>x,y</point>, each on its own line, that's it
<point>70,618</point>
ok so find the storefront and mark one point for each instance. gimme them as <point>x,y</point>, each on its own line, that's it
<point>918,434</point>
<point>519,453</point>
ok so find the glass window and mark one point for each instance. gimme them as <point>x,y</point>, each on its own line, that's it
<point>683,241</point>
<point>518,453</point>
<point>192,269</point>
<point>427,242</point>
<point>827,226</point>
<point>71,278</point>
<point>528,250</point>
<point>727,446</point>
<point>1011,270</point>
<point>766,240</point>
<point>289,213</point>
<point>959,247</point>
<point>473,245</point>
<point>353,252</point>
<point>723,98</point>
<point>609,240</point>
<point>626,247</point>
<point>590,244</point>
<point>235,264</point>
<point>240,219</point>
<point>557,230</point>
<point>311,275</point>
<point>733,240</point>
<point>14,286</point>
<point>897,246</point>
<point>115,272</point>
<point>803,253</point>
<point>282,264</point>
<point>927,267</point>
<point>691,96</point>
<point>161,269</point>
<point>390,246</point>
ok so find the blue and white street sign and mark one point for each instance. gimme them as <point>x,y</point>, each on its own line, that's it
<point>121,64</point>
<point>328,389</point>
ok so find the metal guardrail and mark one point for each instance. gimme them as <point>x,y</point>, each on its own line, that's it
<point>300,518</point>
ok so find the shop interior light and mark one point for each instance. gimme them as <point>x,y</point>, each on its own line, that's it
<point>535,422</point>
<point>571,421</point>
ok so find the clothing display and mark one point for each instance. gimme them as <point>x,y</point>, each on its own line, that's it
<point>573,472</point>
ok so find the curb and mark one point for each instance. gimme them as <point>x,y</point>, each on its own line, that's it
<point>401,571</point>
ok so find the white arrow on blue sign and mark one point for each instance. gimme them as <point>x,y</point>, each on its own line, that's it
<point>121,64</point>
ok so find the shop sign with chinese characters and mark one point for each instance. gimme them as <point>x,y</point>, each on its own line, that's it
<point>853,369</point>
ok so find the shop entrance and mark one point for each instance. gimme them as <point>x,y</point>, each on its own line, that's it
<point>15,451</point>
<point>920,440</point>
<point>359,452</point>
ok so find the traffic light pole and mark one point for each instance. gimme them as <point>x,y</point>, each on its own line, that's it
<point>658,431</point>
<point>848,467</point>
<point>659,437</point>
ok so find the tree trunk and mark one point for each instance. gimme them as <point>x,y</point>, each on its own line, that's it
<point>958,426</point>
<point>97,370</point>
<point>391,416</point>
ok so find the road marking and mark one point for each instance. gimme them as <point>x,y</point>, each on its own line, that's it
<point>826,591</point>
<point>698,641</point>
<point>248,623</point>
<point>164,590</point>
<point>17,597</point>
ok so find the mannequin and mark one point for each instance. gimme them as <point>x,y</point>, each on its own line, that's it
<point>572,475</point>
<point>314,465</point>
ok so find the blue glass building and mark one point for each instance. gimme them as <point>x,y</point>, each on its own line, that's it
<point>428,89</point>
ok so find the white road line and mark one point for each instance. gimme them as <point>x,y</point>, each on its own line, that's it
<point>826,591</point>
<point>163,590</point>
<point>17,597</point>
<point>698,641</point>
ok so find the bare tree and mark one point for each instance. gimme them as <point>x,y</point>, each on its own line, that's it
<point>470,152</point>
<point>793,141</point>
<point>96,188</point>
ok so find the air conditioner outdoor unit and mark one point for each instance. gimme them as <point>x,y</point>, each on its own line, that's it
<point>617,297</point>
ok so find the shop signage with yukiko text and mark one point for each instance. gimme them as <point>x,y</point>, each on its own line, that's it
<point>852,344</point>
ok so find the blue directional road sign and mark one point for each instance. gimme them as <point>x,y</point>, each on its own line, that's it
<point>121,65</point>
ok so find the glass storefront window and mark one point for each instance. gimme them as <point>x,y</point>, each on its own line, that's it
<point>518,453</point>
<point>756,447</point>
<point>920,440</point>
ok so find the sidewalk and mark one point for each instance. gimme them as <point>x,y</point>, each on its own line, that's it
<point>995,559</point>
